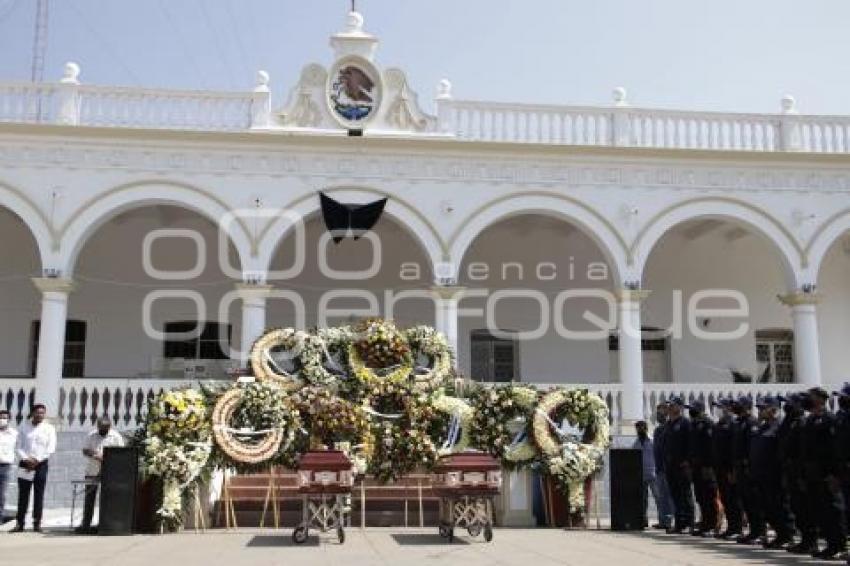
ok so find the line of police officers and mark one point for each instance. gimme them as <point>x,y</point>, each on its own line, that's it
<point>791,473</point>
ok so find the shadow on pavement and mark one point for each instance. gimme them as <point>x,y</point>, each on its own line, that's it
<point>266,541</point>
<point>426,539</point>
<point>743,553</point>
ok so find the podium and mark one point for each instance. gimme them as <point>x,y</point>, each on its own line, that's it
<point>119,478</point>
<point>626,489</point>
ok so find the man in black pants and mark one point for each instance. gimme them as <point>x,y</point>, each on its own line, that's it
<point>745,427</point>
<point>791,455</point>
<point>821,468</point>
<point>766,470</point>
<point>702,467</point>
<point>842,430</point>
<point>677,467</point>
<point>724,462</point>
<point>36,443</point>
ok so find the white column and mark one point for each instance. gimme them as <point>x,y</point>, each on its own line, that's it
<point>806,347</point>
<point>51,340</point>
<point>253,313</point>
<point>630,357</point>
<point>446,300</point>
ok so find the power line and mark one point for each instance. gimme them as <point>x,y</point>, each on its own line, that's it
<point>217,42</point>
<point>235,29</point>
<point>107,45</point>
<point>193,62</point>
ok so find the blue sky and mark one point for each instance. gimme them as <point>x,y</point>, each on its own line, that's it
<point>737,55</point>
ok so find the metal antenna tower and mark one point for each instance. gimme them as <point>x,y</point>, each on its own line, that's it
<point>39,42</point>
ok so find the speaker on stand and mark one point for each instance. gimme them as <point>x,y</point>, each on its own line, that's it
<point>119,478</point>
<point>626,489</point>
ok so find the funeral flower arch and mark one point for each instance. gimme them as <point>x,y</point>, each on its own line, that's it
<point>571,460</point>
<point>381,393</point>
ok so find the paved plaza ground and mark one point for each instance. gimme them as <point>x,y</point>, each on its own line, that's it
<point>398,547</point>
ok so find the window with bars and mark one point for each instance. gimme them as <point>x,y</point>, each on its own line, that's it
<point>212,344</point>
<point>494,358</point>
<point>74,356</point>
<point>775,355</point>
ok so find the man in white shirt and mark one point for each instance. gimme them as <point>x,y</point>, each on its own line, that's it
<point>36,443</point>
<point>104,437</point>
<point>8,438</point>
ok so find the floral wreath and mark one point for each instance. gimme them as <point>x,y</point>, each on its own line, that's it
<point>379,353</point>
<point>570,460</point>
<point>177,447</point>
<point>251,422</point>
<point>327,348</point>
<point>426,341</point>
<point>496,409</point>
<point>330,420</point>
<point>264,366</point>
<point>457,440</point>
<point>402,424</point>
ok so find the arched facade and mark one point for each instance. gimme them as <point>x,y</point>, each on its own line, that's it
<point>789,252</point>
<point>624,177</point>
<point>592,222</point>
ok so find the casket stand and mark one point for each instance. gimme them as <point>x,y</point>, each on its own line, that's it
<point>325,479</point>
<point>466,484</point>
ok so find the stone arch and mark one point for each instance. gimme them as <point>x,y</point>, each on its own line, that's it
<point>822,240</point>
<point>603,233</point>
<point>422,230</point>
<point>91,215</point>
<point>789,251</point>
<point>16,201</point>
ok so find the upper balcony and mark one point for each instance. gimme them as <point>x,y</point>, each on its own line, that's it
<point>354,96</point>
<point>619,125</point>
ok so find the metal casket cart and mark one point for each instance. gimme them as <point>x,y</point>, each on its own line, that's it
<point>466,485</point>
<point>325,478</point>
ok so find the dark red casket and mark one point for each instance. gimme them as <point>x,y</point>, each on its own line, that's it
<point>325,471</point>
<point>467,473</point>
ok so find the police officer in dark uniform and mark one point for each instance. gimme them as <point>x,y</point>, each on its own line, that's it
<point>745,427</point>
<point>842,448</point>
<point>766,472</point>
<point>821,471</point>
<point>677,466</point>
<point>791,456</point>
<point>702,468</point>
<point>724,467</point>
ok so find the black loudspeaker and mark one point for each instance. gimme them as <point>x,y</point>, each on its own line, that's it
<point>626,489</point>
<point>119,478</point>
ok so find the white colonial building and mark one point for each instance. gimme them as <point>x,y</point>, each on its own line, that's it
<point>129,213</point>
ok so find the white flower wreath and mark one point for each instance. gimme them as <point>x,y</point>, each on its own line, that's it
<point>228,439</point>
<point>570,461</point>
<point>296,344</point>
<point>458,440</point>
<point>524,450</point>
<point>322,350</point>
<point>426,341</point>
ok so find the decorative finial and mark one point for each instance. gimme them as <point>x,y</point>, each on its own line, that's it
<point>262,82</point>
<point>444,90</point>
<point>71,73</point>
<point>789,104</point>
<point>619,94</point>
<point>354,23</point>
